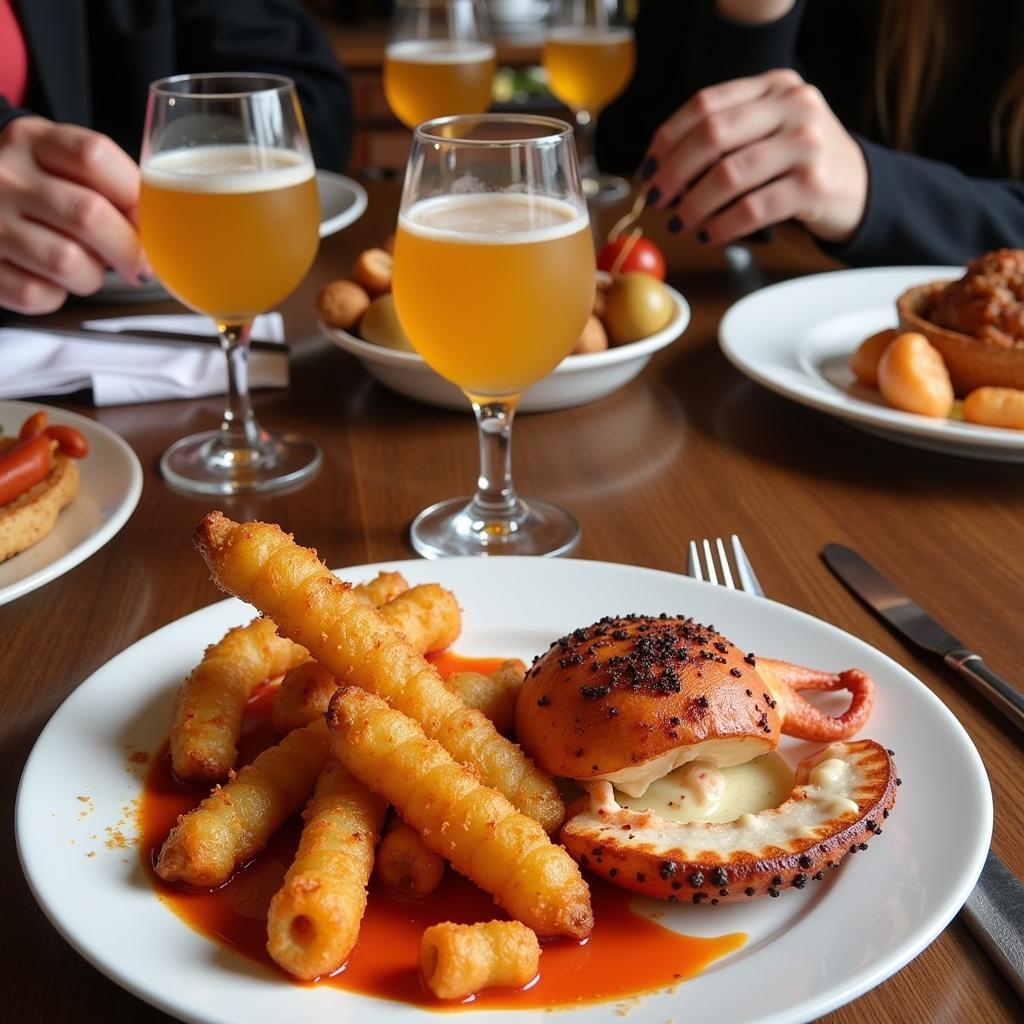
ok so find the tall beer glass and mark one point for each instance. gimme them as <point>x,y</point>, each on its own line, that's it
<point>439,60</point>
<point>493,282</point>
<point>229,219</point>
<point>589,56</point>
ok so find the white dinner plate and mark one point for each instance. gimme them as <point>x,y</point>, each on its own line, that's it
<point>796,338</point>
<point>807,953</point>
<point>111,482</point>
<point>342,202</point>
<point>576,380</point>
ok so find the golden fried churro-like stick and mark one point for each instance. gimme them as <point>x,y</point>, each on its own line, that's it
<point>260,563</point>
<point>384,587</point>
<point>473,826</point>
<point>493,695</point>
<point>237,820</point>
<point>313,920</point>
<point>209,706</point>
<point>302,697</point>
<point>427,616</point>
<point>406,863</point>
<point>457,960</point>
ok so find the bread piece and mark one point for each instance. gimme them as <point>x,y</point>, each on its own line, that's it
<point>31,516</point>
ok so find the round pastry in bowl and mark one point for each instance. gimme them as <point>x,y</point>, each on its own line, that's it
<point>976,322</point>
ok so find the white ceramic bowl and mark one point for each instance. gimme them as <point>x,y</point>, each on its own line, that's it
<point>575,381</point>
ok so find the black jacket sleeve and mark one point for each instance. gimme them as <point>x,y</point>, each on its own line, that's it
<point>9,113</point>
<point>925,211</point>
<point>681,48</point>
<point>276,36</point>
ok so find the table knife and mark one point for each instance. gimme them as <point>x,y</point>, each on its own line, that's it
<point>913,622</point>
<point>145,336</point>
<point>995,909</point>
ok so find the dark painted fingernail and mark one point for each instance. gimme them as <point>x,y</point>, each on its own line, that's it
<point>675,225</point>
<point>648,167</point>
<point>653,195</point>
<point>702,237</point>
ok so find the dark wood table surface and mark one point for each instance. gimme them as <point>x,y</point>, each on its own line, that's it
<point>689,449</point>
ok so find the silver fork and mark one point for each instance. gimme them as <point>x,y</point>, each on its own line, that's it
<point>710,572</point>
<point>995,909</point>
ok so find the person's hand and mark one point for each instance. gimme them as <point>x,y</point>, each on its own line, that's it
<point>67,199</point>
<point>755,151</point>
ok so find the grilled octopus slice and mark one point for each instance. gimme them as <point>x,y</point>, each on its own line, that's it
<point>840,797</point>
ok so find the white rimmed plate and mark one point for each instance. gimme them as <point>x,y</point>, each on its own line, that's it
<point>111,482</point>
<point>575,381</point>
<point>796,338</point>
<point>342,202</point>
<point>808,952</point>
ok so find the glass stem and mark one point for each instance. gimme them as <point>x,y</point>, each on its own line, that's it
<point>585,129</point>
<point>495,502</point>
<point>240,438</point>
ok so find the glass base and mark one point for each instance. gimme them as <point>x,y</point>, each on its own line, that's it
<point>453,527</point>
<point>603,188</point>
<point>198,463</point>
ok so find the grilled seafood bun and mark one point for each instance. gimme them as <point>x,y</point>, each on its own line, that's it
<point>629,699</point>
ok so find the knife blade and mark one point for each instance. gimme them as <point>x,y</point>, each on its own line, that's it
<point>147,336</point>
<point>911,621</point>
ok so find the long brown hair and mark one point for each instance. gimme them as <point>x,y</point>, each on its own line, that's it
<point>914,41</point>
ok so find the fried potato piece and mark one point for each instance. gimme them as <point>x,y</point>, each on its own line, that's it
<point>209,706</point>
<point>494,695</point>
<point>457,960</point>
<point>260,563</point>
<point>483,836</point>
<point>404,862</point>
<point>236,821</point>
<point>313,920</point>
<point>302,697</point>
<point>384,587</point>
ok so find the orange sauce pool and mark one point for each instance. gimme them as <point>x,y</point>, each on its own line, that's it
<point>627,954</point>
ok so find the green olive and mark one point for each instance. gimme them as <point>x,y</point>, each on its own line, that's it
<point>380,325</point>
<point>637,306</point>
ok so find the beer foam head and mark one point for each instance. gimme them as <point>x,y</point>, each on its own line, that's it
<point>582,35</point>
<point>227,169</point>
<point>440,51</point>
<point>494,218</point>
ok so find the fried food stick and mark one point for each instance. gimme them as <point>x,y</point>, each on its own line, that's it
<point>261,564</point>
<point>209,706</point>
<point>237,820</point>
<point>313,920</point>
<point>506,853</point>
<point>384,587</point>
<point>457,960</point>
<point>405,862</point>
<point>427,616</point>
<point>493,695</point>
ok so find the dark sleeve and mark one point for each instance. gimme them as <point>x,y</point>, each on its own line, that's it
<point>9,113</point>
<point>681,48</point>
<point>924,211</point>
<point>279,37</point>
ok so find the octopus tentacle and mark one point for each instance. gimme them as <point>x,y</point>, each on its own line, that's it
<point>801,718</point>
<point>840,799</point>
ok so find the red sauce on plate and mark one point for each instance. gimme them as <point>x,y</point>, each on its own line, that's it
<point>627,954</point>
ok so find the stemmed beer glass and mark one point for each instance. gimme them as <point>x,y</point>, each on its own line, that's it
<point>229,218</point>
<point>589,56</point>
<point>439,60</point>
<point>493,281</point>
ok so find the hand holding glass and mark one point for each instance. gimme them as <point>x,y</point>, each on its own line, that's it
<point>229,218</point>
<point>493,281</point>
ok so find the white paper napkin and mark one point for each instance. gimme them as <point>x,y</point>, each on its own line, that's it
<point>121,373</point>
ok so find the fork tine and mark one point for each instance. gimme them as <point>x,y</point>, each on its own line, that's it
<point>723,562</point>
<point>748,581</point>
<point>693,562</point>
<point>709,562</point>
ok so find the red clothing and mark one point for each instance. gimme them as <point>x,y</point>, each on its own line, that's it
<point>13,57</point>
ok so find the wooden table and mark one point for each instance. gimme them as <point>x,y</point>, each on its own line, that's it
<point>689,449</point>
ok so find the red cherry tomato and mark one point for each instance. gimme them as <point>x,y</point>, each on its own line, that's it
<point>645,257</point>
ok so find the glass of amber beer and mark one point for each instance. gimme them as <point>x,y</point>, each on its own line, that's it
<point>438,60</point>
<point>229,218</point>
<point>589,56</point>
<point>493,281</point>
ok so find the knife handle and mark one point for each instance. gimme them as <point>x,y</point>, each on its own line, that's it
<point>1005,697</point>
<point>995,913</point>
